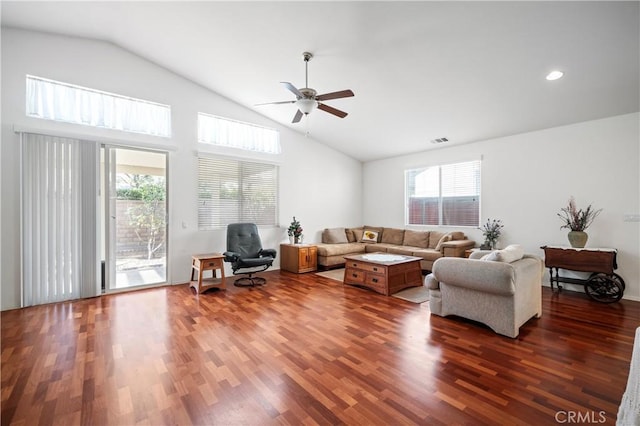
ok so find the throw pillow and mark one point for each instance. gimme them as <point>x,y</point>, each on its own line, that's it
<point>434,238</point>
<point>370,236</point>
<point>350,237</point>
<point>457,235</point>
<point>393,236</point>
<point>492,257</point>
<point>416,238</point>
<point>334,236</point>
<point>509,254</point>
<point>355,235</point>
<point>444,239</point>
<point>377,229</point>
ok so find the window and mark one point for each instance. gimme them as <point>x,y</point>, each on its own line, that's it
<point>53,100</point>
<point>236,134</point>
<point>232,191</point>
<point>444,195</point>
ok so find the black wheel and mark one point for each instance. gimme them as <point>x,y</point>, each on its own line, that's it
<point>620,281</point>
<point>604,288</point>
<point>614,277</point>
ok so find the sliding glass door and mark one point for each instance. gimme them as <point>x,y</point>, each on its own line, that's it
<point>136,231</point>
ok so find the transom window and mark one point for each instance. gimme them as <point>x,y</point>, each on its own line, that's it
<point>444,195</point>
<point>231,191</point>
<point>54,100</point>
<point>221,131</point>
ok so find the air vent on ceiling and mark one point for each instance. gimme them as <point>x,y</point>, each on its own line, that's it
<point>439,140</point>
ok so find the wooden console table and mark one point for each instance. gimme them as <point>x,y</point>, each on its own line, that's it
<point>207,262</point>
<point>602,285</point>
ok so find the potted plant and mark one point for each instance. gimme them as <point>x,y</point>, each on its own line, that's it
<point>295,232</point>
<point>577,220</point>
<point>491,232</point>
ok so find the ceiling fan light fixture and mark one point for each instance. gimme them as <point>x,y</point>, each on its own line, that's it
<point>306,105</point>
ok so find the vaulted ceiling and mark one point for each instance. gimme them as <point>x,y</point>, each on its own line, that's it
<point>466,71</point>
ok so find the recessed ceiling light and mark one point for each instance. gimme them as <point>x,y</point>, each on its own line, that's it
<point>554,75</point>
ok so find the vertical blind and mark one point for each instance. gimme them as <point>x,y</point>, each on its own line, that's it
<point>231,191</point>
<point>444,195</point>
<point>59,219</point>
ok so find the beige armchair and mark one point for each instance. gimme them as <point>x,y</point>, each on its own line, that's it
<point>501,294</point>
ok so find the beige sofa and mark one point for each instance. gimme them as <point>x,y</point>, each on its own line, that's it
<point>503,293</point>
<point>428,245</point>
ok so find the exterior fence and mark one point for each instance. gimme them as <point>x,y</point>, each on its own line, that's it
<point>132,244</point>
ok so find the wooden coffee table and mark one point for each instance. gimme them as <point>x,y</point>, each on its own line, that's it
<point>384,273</point>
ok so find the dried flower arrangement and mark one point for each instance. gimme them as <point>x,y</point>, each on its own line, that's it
<point>577,219</point>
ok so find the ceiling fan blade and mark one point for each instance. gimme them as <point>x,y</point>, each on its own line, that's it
<point>292,89</point>
<point>297,117</point>
<point>276,103</point>
<point>335,95</point>
<point>332,110</point>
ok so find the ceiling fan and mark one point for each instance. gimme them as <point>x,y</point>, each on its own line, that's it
<point>306,98</point>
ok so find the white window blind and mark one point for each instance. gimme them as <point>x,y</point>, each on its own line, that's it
<point>54,100</point>
<point>231,191</point>
<point>59,219</point>
<point>236,134</point>
<point>444,195</point>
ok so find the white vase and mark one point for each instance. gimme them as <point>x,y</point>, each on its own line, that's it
<point>290,239</point>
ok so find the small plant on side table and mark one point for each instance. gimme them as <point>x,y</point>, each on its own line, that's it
<point>295,231</point>
<point>491,232</point>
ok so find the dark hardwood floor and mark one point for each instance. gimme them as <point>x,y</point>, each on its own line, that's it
<point>306,350</point>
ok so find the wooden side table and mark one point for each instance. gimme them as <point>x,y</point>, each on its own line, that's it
<point>468,252</point>
<point>213,262</point>
<point>603,285</point>
<point>298,258</point>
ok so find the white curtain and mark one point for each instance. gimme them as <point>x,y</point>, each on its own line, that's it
<point>54,100</point>
<point>59,219</point>
<point>236,134</point>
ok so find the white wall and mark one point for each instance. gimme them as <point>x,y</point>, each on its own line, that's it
<point>318,185</point>
<point>527,178</point>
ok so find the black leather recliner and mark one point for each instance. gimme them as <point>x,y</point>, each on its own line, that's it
<point>246,255</point>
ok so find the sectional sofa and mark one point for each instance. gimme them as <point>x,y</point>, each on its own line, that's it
<point>428,245</point>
